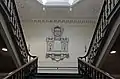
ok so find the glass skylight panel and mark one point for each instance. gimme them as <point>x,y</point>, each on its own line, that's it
<point>71,2</point>
<point>58,2</point>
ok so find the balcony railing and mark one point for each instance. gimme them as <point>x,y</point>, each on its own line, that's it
<point>89,71</point>
<point>9,11</point>
<point>24,71</point>
<point>101,31</point>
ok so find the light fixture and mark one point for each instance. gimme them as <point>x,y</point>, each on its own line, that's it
<point>112,52</point>
<point>70,9</point>
<point>43,8</point>
<point>4,49</point>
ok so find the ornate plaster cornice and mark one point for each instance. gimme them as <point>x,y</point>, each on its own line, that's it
<point>63,21</point>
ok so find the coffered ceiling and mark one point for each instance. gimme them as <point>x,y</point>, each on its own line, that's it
<point>32,9</point>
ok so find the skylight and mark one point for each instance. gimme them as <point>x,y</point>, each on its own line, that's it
<point>58,2</point>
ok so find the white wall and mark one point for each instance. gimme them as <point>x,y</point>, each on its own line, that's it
<point>79,35</point>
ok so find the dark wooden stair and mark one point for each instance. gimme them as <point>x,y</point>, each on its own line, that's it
<point>56,76</point>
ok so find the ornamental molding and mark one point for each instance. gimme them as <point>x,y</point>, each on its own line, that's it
<point>63,21</point>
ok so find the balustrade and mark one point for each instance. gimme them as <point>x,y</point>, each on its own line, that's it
<point>15,29</point>
<point>101,30</point>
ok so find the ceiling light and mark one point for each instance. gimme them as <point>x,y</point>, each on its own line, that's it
<point>4,49</point>
<point>43,8</point>
<point>70,9</point>
<point>112,52</point>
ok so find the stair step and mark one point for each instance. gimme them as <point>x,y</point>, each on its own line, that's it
<point>59,78</point>
<point>57,75</point>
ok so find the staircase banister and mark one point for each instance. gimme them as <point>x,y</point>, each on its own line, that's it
<point>95,31</point>
<point>20,68</point>
<point>97,69</point>
<point>20,26</point>
<point>118,3</point>
<point>18,21</point>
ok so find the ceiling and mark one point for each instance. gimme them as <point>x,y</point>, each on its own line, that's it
<point>32,9</point>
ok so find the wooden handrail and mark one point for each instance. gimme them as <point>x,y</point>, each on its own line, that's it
<point>95,69</point>
<point>22,67</point>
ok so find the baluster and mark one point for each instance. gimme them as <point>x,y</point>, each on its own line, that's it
<point>10,10</point>
<point>7,2</point>
<point>107,7</point>
<point>104,18</point>
<point>22,73</point>
<point>85,58</point>
<point>110,5</point>
<point>18,75</point>
<point>113,2</point>
<point>12,18</point>
<point>12,77</point>
<point>89,71</point>
<point>100,76</point>
<point>101,25</point>
<point>92,73</point>
<point>100,33</point>
<point>104,77</point>
<point>116,1</point>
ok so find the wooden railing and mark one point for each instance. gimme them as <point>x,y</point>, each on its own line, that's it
<point>10,13</point>
<point>24,71</point>
<point>102,30</point>
<point>91,72</point>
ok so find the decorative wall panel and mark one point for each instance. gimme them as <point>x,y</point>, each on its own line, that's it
<point>57,45</point>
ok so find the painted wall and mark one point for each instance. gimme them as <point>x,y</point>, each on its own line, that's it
<point>79,35</point>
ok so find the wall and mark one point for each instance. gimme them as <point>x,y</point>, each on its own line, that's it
<point>79,35</point>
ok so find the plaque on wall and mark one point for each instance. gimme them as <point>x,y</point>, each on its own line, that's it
<point>57,45</point>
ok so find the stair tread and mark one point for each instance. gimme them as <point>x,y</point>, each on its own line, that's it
<point>57,76</point>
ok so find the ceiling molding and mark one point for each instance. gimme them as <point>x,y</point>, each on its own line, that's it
<point>63,21</point>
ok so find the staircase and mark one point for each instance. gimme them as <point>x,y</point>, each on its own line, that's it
<point>29,67</point>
